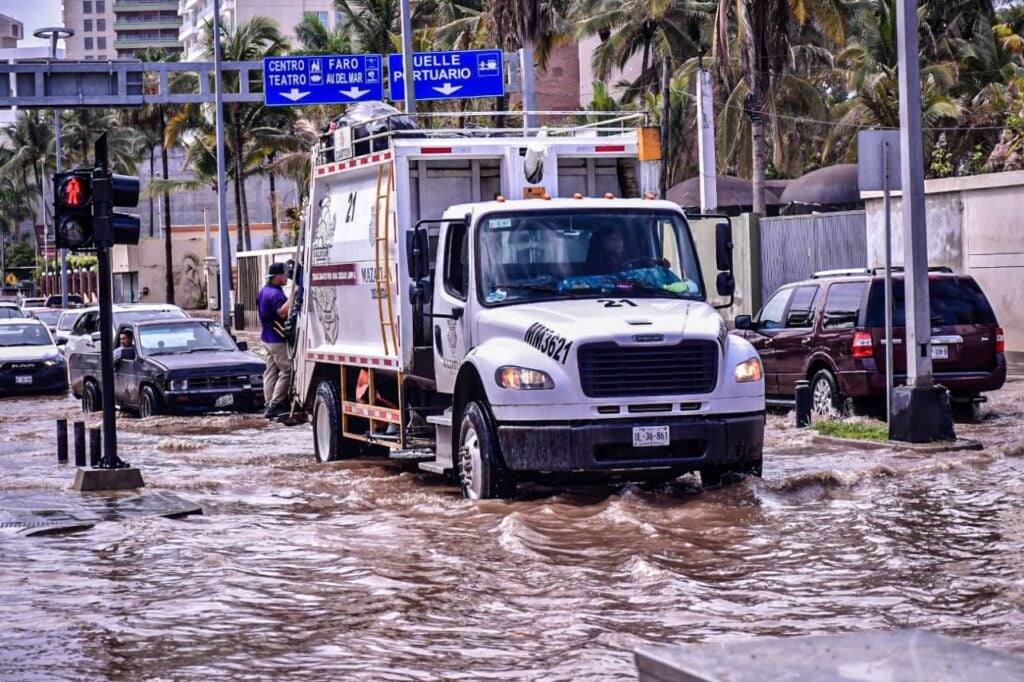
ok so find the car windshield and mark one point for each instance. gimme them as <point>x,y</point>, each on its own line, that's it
<point>952,300</point>
<point>67,321</point>
<point>566,254</point>
<point>9,312</point>
<point>50,317</point>
<point>28,334</point>
<point>190,337</point>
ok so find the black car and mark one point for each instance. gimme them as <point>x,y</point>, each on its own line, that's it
<point>29,359</point>
<point>178,366</point>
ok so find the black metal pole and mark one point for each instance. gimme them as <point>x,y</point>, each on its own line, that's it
<point>803,403</point>
<point>79,444</point>
<point>95,445</point>
<point>62,441</point>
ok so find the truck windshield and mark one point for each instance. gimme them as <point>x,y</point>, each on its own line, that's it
<point>567,254</point>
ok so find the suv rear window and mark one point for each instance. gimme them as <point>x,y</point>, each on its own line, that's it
<point>842,307</point>
<point>953,300</point>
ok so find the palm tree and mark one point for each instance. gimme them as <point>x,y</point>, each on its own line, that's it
<point>764,31</point>
<point>31,136</point>
<point>373,25</point>
<point>315,38</point>
<point>250,41</point>
<point>81,127</point>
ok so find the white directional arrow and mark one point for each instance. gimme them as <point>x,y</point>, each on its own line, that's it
<point>353,92</point>
<point>447,89</point>
<point>294,94</point>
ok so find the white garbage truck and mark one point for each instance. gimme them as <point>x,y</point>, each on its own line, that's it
<point>489,303</point>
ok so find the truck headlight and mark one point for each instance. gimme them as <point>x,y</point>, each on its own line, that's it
<point>55,360</point>
<point>523,379</point>
<point>179,384</point>
<point>748,371</point>
<point>256,379</point>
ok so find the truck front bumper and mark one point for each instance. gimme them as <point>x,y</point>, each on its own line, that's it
<point>694,442</point>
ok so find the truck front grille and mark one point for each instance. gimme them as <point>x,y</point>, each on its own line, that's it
<point>234,381</point>
<point>608,370</point>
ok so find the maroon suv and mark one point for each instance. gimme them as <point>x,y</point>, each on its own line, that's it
<point>830,330</point>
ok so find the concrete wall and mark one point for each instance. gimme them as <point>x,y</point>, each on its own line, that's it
<point>147,259</point>
<point>974,226</point>
<point>746,260</point>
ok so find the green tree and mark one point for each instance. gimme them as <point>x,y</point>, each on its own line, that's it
<point>315,38</point>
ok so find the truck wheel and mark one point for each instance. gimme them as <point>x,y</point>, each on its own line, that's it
<point>91,400</point>
<point>482,474</point>
<point>716,476</point>
<point>328,443</point>
<point>825,398</point>
<point>150,403</point>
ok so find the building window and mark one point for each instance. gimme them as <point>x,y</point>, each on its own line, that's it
<point>87,7</point>
<point>319,16</point>
<point>101,56</point>
<point>89,57</point>
<point>101,25</point>
<point>339,19</point>
<point>101,6</point>
<point>87,26</point>
<point>101,44</point>
<point>88,43</point>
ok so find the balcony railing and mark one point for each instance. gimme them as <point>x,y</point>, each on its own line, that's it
<point>121,6</point>
<point>153,23</point>
<point>129,42</point>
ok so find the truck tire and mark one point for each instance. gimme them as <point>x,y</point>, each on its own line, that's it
<point>91,399</point>
<point>825,398</point>
<point>150,403</point>
<point>716,476</point>
<point>482,474</point>
<point>328,443</point>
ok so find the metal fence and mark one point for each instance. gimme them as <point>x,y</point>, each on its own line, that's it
<point>793,248</point>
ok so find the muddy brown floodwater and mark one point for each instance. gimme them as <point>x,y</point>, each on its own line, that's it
<point>360,570</point>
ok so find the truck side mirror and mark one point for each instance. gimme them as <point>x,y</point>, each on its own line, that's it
<point>723,247</point>
<point>243,346</point>
<point>726,284</point>
<point>742,322</point>
<point>418,253</point>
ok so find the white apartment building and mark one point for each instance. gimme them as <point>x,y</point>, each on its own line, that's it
<point>287,13</point>
<point>93,24</point>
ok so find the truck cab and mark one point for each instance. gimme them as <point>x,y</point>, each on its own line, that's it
<point>574,335</point>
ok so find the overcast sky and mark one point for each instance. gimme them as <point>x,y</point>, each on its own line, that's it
<point>34,14</point>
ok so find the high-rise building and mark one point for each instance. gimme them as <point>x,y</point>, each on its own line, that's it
<point>93,24</point>
<point>11,31</point>
<point>142,24</point>
<point>286,13</point>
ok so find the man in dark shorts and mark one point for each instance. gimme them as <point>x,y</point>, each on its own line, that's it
<point>273,307</point>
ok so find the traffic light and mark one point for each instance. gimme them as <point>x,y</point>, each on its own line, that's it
<point>110,190</point>
<point>72,214</point>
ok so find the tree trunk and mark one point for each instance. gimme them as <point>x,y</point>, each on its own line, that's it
<point>168,243</point>
<point>152,199</point>
<point>644,81</point>
<point>238,153</point>
<point>275,237</point>
<point>239,242</point>
<point>757,179</point>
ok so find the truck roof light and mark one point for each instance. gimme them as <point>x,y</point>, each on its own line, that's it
<point>577,195</point>
<point>500,199</point>
<point>546,196</point>
<point>435,150</point>
<point>649,197</point>
<point>610,148</point>
<point>609,195</point>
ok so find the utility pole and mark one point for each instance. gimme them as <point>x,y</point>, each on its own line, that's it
<point>920,410</point>
<point>222,206</point>
<point>53,34</point>
<point>407,65</point>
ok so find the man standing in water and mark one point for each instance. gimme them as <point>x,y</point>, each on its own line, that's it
<point>273,308</point>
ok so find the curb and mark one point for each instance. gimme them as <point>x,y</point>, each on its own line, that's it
<point>960,444</point>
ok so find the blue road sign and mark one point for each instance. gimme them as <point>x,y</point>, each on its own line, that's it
<point>327,79</point>
<point>450,75</point>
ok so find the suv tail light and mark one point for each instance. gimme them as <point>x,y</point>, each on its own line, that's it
<point>1000,340</point>
<point>863,346</point>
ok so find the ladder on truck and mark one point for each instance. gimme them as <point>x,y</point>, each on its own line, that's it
<point>383,236</point>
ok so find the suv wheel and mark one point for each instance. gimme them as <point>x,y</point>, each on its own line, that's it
<point>825,399</point>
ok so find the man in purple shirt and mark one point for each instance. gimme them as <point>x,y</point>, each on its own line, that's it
<point>273,307</point>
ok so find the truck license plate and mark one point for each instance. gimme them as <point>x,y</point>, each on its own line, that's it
<point>940,352</point>
<point>23,379</point>
<point>224,401</point>
<point>650,436</point>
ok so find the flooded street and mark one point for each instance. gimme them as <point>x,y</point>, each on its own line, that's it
<point>360,570</point>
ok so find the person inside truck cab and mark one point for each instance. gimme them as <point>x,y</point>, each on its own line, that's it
<point>608,252</point>
<point>125,339</point>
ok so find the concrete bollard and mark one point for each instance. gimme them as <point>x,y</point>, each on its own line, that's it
<point>95,445</point>
<point>803,404</point>
<point>62,441</point>
<point>79,444</point>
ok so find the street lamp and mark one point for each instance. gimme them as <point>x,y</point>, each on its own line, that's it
<point>53,34</point>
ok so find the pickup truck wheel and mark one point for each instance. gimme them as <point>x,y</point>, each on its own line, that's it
<point>328,443</point>
<point>482,474</point>
<point>91,400</point>
<point>150,403</point>
<point>716,476</point>
<point>825,399</point>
